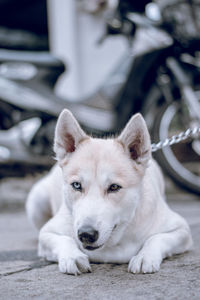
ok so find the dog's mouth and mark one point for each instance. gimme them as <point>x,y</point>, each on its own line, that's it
<point>91,248</point>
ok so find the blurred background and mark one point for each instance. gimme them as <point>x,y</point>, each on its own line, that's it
<point>104,60</point>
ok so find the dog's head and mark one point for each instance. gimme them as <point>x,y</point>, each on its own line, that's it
<point>102,178</point>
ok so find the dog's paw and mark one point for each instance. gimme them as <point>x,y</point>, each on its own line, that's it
<point>74,265</point>
<point>144,263</point>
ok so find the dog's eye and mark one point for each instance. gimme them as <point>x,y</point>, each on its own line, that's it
<point>114,188</point>
<point>76,186</point>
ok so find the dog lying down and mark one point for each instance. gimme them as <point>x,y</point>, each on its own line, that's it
<point>104,202</point>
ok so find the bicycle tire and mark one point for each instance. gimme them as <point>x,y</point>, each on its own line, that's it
<point>166,157</point>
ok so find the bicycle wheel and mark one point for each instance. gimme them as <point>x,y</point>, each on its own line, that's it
<point>181,161</point>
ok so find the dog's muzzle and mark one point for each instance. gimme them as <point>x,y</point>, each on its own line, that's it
<point>88,236</point>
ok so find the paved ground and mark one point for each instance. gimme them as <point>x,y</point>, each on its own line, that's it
<point>24,276</point>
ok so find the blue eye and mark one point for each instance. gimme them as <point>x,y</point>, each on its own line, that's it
<point>76,186</point>
<point>113,188</point>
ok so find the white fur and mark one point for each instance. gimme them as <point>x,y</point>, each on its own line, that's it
<point>135,224</point>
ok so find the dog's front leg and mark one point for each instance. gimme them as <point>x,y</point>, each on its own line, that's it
<point>158,247</point>
<point>56,243</point>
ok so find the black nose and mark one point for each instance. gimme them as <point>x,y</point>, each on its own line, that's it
<point>87,234</point>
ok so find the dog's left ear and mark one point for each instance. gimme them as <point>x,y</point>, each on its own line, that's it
<point>68,135</point>
<point>136,140</point>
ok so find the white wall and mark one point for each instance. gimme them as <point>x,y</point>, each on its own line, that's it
<point>73,36</point>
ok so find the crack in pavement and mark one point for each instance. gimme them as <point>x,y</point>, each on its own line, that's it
<point>36,265</point>
<point>22,256</point>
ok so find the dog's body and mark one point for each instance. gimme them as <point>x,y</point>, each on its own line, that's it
<point>105,202</point>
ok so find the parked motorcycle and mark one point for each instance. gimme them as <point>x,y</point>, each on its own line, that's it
<point>161,82</point>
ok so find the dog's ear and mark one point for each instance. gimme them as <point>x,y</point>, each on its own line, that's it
<point>136,140</point>
<point>68,135</point>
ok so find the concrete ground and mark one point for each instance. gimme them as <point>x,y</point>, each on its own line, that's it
<point>24,276</point>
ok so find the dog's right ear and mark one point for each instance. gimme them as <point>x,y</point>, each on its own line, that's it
<point>68,135</point>
<point>136,140</point>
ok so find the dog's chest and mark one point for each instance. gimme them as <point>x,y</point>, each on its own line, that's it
<point>121,253</point>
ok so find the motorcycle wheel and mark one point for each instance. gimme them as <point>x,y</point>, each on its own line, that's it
<point>181,161</point>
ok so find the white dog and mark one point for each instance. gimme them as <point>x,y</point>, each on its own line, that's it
<point>104,202</point>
